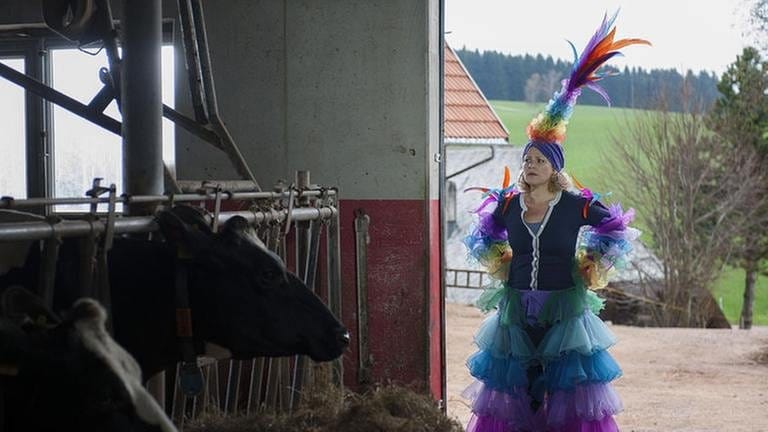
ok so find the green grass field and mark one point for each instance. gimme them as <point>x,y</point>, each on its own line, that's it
<point>590,135</point>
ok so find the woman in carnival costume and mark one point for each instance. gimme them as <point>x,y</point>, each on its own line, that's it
<point>543,363</point>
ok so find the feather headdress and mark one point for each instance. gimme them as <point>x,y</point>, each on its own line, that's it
<point>548,127</point>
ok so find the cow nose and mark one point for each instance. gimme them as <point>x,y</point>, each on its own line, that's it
<point>343,337</point>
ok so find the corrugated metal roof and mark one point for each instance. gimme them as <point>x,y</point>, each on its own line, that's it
<point>467,112</point>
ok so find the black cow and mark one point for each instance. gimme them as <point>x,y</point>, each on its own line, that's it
<point>241,296</point>
<point>69,375</point>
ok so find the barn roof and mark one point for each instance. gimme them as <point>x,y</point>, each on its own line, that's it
<point>469,117</point>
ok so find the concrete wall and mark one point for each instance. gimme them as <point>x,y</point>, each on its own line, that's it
<point>340,87</point>
<point>349,90</point>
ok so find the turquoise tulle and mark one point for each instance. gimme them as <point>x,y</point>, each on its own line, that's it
<point>504,341</point>
<point>585,334</point>
<point>573,387</point>
<point>499,374</point>
<point>575,369</point>
<point>570,303</point>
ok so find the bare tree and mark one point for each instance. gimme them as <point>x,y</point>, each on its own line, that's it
<point>692,193</point>
<point>533,88</point>
<point>539,88</point>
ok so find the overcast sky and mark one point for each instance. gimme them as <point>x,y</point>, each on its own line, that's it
<point>686,34</point>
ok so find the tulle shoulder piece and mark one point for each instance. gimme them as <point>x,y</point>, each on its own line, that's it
<point>487,239</point>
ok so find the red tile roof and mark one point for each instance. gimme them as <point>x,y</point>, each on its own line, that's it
<point>467,113</point>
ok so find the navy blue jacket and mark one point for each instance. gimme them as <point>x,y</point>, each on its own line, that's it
<point>544,260</point>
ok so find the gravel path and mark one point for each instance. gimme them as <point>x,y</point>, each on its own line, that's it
<point>674,379</point>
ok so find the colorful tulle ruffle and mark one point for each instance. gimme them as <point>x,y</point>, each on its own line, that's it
<point>605,247</point>
<point>573,391</point>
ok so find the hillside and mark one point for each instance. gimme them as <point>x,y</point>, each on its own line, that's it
<point>589,139</point>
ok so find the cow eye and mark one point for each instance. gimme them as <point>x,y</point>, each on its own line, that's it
<point>271,274</point>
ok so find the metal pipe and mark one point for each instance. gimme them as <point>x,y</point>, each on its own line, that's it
<point>10,203</point>
<point>64,101</point>
<point>109,39</point>
<point>140,224</point>
<point>39,168</point>
<point>93,113</point>
<point>196,129</point>
<point>362,239</point>
<point>194,70</point>
<point>142,105</point>
<point>474,165</point>
<point>333,254</point>
<point>302,228</point>
<point>228,143</point>
<point>193,186</point>
<point>441,198</point>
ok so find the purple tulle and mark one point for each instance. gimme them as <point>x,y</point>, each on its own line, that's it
<point>606,424</point>
<point>617,221</point>
<point>588,408</point>
<point>489,424</point>
<point>508,408</point>
<point>532,302</point>
<point>492,229</point>
<point>590,402</point>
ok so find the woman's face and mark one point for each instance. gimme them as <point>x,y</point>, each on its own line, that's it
<point>536,168</point>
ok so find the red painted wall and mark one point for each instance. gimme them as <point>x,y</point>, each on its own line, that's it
<point>436,360</point>
<point>397,297</point>
<point>404,298</point>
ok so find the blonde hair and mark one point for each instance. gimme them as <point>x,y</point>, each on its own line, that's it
<point>557,182</point>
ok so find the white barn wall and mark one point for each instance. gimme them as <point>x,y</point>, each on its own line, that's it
<point>338,87</point>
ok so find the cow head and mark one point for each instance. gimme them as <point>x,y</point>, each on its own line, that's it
<point>242,296</point>
<point>69,374</point>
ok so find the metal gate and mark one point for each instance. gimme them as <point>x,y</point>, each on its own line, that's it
<point>292,221</point>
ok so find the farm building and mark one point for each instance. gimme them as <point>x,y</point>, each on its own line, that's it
<point>246,98</point>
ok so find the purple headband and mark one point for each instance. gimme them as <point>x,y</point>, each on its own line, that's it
<point>552,151</point>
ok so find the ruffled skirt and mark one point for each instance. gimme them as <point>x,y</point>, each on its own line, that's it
<point>543,364</point>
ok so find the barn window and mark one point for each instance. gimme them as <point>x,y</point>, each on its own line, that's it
<point>13,158</point>
<point>48,151</point>
<point>83,150</point>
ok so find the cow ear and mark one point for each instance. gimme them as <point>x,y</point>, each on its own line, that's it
<point>238,229</point>
<point>189,238</point>
<point>90,310</point>
<point>236,226</point>
<point>195,217</point>
<point>26,309</point>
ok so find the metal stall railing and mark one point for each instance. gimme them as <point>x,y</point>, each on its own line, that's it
<point>461,278</point>
<point>301,215</point>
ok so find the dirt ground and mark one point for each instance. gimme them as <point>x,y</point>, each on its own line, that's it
<point>674,379</point>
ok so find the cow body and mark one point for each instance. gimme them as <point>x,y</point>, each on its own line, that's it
<point>71,375</point>
<point>240,295</point>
